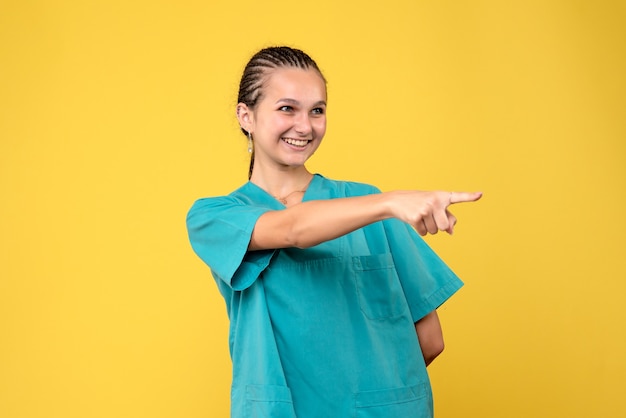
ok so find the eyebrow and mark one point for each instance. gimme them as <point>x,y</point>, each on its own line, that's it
<point>293,101</point>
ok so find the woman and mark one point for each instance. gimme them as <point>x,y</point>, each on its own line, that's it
<point>331,294</point>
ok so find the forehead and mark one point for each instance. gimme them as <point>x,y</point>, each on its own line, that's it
<point>295,83</point>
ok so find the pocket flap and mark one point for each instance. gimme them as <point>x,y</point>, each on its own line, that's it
<point>390,396</point>
<point>268,393</point>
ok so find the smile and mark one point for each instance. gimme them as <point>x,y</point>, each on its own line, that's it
<point>296,142</point>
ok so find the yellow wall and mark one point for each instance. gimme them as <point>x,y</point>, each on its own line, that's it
<point>116,115</point>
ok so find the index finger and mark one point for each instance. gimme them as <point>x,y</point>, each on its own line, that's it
<point>460,197</point>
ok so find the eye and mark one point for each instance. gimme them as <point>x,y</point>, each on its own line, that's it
<point>318,111</point>
<point>285,108</point>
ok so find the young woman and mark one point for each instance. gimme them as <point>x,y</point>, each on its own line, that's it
<point>331,294</point>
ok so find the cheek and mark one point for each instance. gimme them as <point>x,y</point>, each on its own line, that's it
<point>320,126</point>
<point>278,123</point>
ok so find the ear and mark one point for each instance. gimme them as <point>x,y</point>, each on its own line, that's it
<point>245,116</point>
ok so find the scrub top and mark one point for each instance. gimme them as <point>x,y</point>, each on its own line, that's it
<point>326,331</point>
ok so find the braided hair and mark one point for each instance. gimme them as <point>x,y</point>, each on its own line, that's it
<point>260,65</point>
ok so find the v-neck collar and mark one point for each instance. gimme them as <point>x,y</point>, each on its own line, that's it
<point>259,195</point>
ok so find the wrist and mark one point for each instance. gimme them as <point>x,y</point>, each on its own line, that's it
<point>386,205</point>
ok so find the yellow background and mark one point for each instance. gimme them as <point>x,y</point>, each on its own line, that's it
<point>116,115</point>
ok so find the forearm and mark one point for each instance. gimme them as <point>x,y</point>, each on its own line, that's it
<point>430,336</point>
<point>313,222</point>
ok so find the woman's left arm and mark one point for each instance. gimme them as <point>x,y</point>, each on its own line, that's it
<point>430,336</point>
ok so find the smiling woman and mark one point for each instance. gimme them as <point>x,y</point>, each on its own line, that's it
<point>331,294</point>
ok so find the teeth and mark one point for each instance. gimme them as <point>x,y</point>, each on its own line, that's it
<point>296,142</point>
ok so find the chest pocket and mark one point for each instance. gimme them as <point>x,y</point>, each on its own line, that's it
<point>378,286</point>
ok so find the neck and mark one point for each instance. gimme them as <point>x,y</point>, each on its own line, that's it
<point>281,183</point>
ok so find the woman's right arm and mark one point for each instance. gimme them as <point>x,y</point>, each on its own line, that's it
<point>310,223</point>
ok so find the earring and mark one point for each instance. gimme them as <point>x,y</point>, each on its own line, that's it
<point>250,144</point>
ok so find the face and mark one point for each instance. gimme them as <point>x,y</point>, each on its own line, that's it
<point>289,121</point>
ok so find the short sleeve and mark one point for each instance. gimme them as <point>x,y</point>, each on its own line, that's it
<point>426,280</point>
<point>219,231</point>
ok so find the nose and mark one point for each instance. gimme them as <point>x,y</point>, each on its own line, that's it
<point>303,124</point>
